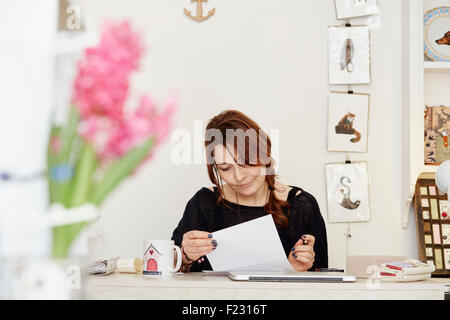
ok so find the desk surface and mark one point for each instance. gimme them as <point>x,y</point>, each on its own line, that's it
<point>202,286</point>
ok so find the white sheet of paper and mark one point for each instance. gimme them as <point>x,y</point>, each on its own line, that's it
<point>253,245</point>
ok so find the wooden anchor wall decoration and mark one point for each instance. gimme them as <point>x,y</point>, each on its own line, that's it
<point>199,12</point>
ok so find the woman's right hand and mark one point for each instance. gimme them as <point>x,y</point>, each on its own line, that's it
<point>196,244</point>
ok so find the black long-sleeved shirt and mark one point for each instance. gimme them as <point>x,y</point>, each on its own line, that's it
<point>202,213</point>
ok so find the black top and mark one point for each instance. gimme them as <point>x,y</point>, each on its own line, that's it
<point>203,214</point>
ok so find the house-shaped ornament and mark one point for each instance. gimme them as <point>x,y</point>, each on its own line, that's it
<point>151,258</point>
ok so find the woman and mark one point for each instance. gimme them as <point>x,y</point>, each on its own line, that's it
<point>250,191</point>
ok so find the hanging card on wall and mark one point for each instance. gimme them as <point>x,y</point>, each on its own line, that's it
<point>347,192</point>
<point>349,55</point>
<point>355,8</point>
<point>348,117</point>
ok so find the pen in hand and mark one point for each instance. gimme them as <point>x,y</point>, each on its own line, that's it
<point>305,241</point>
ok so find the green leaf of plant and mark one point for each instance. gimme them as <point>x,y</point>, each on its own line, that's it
<point>120,169</point>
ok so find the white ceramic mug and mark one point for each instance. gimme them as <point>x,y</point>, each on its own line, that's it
<point>159,258</point>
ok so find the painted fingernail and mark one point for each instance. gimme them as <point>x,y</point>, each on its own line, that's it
<point>293,249</point>
<point>294,255</point>
<point>214,242</point>
<point>210,235</point>
<point>304,237</point>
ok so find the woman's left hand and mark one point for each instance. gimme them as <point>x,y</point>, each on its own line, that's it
<point>302,255</point>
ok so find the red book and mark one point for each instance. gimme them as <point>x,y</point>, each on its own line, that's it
<point>409,266</point>
<point>390,266</point>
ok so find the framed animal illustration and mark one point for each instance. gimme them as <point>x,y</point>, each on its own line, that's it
<point>355,8</point>
<point>432,211</point>
<point>347,192</point>
<point>348,55</point>
<point>348,121</point>
<point>437,130</point>
<point>437,34</point>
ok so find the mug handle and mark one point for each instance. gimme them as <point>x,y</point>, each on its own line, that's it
<point>179,259</point>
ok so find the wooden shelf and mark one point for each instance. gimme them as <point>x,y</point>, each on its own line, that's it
<point>436,65</point>
<point>426,83</point>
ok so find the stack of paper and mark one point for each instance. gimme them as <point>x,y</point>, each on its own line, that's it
<point>408,270</point>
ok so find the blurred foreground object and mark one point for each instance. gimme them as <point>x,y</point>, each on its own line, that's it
<point>103,267</point>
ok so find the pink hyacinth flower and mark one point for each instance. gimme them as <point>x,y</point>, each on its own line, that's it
<point>102,82</point>
<point>101,90</point>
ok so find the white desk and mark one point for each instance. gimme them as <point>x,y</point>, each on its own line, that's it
<point>199,286</point>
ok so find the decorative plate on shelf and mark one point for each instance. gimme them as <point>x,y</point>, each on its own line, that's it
<point>437,34</point>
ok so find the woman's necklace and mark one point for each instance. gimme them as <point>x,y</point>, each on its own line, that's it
<point>237,201</point>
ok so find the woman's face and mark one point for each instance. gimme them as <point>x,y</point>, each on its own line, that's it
<point>242,178</point>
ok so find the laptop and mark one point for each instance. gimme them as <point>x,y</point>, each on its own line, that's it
<point>290,276</point>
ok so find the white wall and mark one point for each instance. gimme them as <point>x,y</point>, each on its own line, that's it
<point>269,60</point>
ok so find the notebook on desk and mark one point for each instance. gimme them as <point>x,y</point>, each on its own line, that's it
<point>290,276</point>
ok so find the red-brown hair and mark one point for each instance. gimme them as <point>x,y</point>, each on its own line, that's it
<point>233,119</point>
